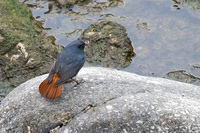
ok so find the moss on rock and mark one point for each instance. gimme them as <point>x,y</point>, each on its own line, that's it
<point>25,51</point>
<point>108,44</point>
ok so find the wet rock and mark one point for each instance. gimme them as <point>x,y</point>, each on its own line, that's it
<point>195,67</point>
<point>194,4</point>
<point>108,44</point>
<point>182,76</point>
<point>25,50</point>
<point>107,100</point>
<point>90,4</point>
<point>68,2</point>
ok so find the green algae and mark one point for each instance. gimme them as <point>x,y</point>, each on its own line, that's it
<point>182,76</point>
<point>108,45</point>
<point>18,26</point>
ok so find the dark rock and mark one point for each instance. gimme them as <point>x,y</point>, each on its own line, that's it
<point>108,44</point>
<point>107,100</point>
<point>25,50</point>
<point>182,76</point>
<point>68,2</point>
<point>194,4</point>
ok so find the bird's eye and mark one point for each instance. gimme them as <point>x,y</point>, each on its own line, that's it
<point>79,46</point>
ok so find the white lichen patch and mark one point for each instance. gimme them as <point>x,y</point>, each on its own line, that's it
<point>109,108</point>
<point>1,38</point>
<point>55,129</point>
<point>14,57</point>
<point>28,129</point>
<point>6,109</point>
<point>113,40</point>
<point>90,33</point>
<point>31,60</point>
<point>22,49</point>
<point>6,55</point>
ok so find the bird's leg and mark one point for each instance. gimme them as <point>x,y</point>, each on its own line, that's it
<point>71,80</point>
<point>77,82</point>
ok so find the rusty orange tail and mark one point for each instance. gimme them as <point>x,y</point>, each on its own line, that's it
<point>48,89</point>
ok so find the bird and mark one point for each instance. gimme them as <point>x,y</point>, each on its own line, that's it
<point>66,66</point>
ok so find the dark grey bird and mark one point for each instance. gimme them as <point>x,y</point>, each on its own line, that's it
<point>68,63</point>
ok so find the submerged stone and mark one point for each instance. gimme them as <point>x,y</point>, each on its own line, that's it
<point>108,45</point>
<point>68,2</point>
<point>182,76</point>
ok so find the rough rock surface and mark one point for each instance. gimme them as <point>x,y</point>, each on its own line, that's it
<point>25,50</point>
<point>183,76</point>
<point>107,100</point>
<point>68,2</point>
<point>108,44</point>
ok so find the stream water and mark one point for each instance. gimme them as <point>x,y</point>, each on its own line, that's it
<point>164,33</point>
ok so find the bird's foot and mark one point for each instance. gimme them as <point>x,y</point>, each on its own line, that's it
<point>77,82</point>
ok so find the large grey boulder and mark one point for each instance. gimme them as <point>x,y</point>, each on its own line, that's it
<point>106,101</point>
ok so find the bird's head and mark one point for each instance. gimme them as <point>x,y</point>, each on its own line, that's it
<point>77,45</point>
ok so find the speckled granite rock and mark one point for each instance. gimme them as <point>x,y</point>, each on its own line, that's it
<point>107,100</point>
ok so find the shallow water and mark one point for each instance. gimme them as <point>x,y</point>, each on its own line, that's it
<point>164,33</point>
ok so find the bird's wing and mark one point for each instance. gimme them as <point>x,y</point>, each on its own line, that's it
<point>69,70</point>
<point>54,69</point>
<point>62,60</point>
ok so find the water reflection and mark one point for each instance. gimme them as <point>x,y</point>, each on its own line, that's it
<point>164,34</point>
